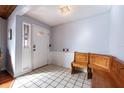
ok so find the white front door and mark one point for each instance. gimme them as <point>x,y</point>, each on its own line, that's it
<point>40,46</point>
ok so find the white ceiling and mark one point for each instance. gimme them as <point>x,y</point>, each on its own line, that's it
<point>49,14</point>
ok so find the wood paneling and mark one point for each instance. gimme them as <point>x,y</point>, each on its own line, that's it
<point>107,71</point>
<point>100,61</point>
<point>117,72</point>
<point>102,79</point>
<point>81,57</point>
<point>6,10</point>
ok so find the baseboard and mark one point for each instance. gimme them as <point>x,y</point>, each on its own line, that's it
<point>22,73</point>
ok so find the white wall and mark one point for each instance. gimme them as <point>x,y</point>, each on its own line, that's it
<point>117,31</point>
<point>86,35</point>
<point>3,41</point>
<point>100,34</point>
<point>11,51</point>
<point>61,58</point>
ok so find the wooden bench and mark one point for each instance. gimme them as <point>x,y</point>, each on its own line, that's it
<point>81,60</point>
<point>105,71</point>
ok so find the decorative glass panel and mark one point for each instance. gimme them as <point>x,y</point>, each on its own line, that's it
<point>26,35</point>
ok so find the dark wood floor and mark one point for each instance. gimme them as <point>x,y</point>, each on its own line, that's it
<point>6,79</point>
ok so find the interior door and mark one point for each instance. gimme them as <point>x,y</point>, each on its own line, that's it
<point>40,46</point>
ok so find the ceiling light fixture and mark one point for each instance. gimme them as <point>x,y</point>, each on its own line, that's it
<point>65,10</point>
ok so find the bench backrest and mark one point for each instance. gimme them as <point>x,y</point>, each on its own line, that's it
<point>81,57</point>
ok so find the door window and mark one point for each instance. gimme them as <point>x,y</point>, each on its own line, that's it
<point>26,35</point>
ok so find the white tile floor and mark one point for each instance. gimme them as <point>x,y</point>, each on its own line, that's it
<point>52,76</point>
